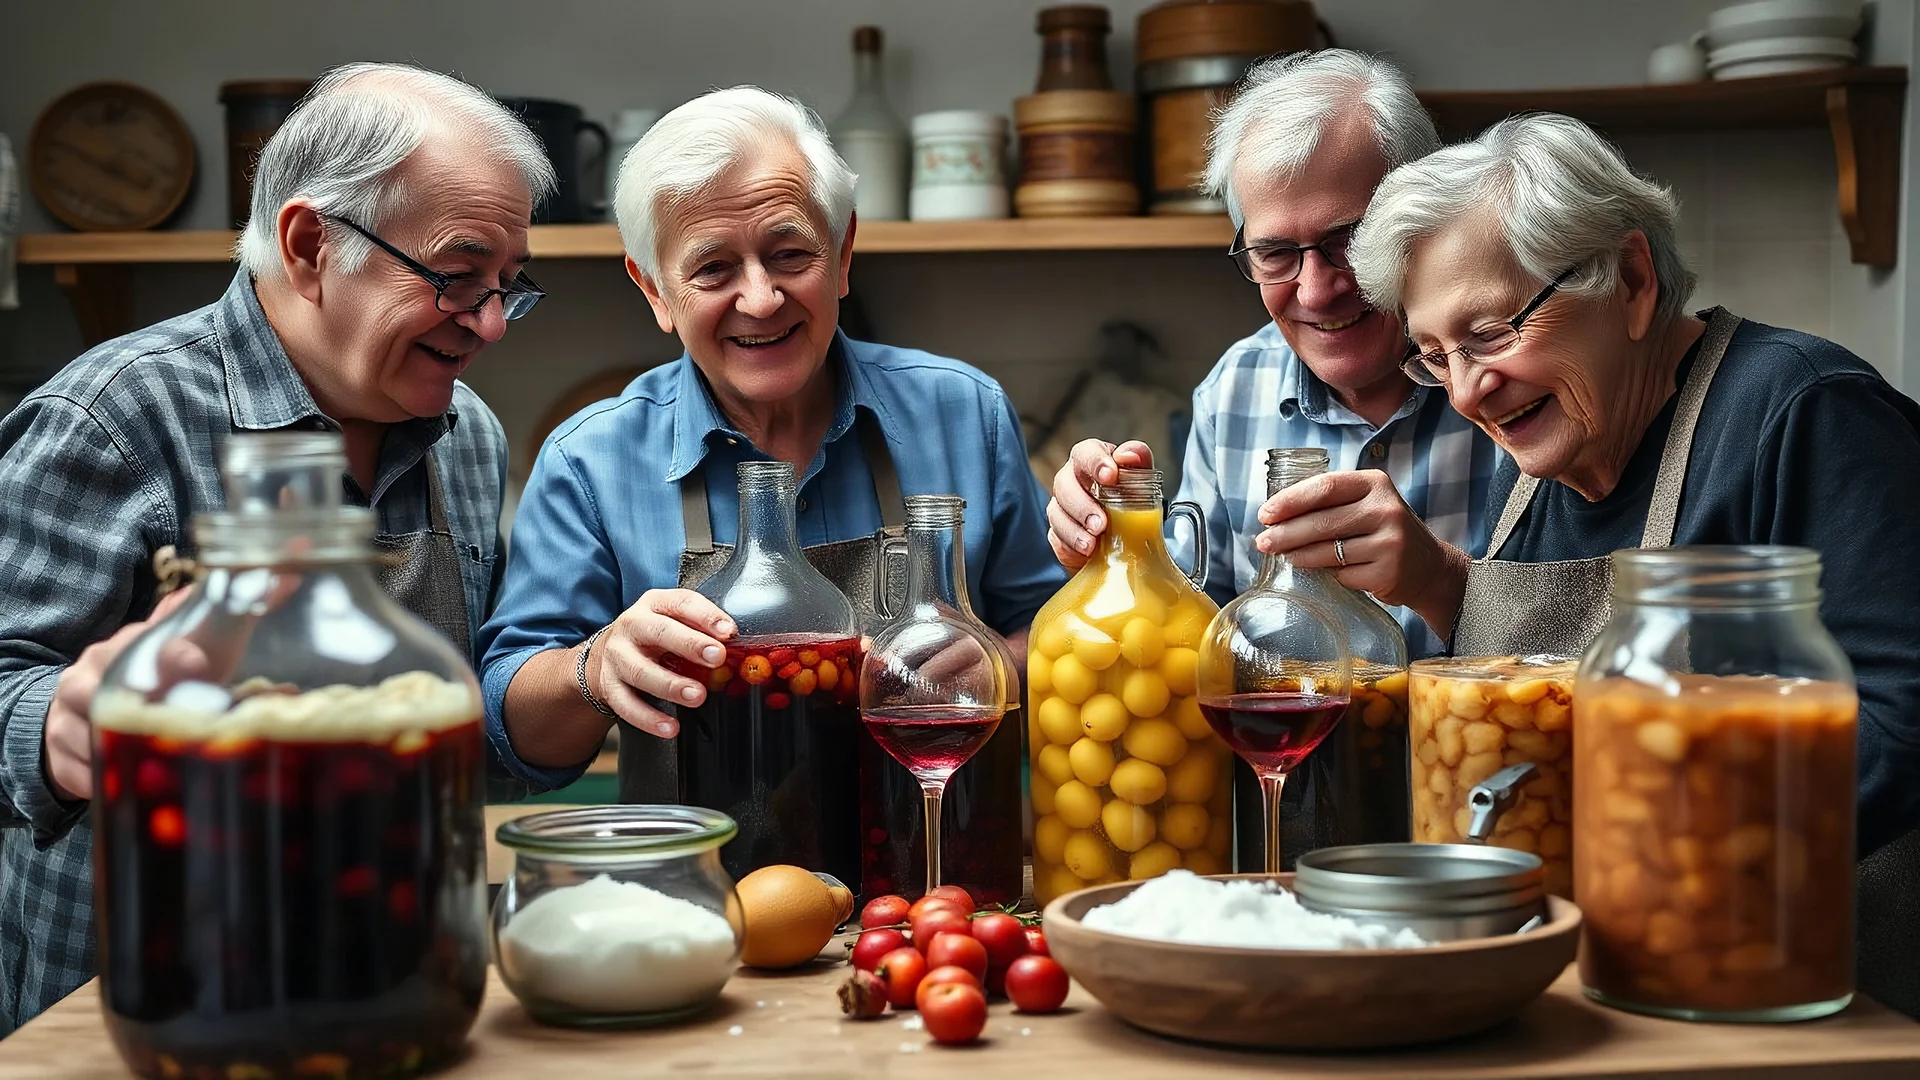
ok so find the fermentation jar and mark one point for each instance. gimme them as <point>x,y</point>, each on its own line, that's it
<point>1470,717</point>
<point>290,865</point>
<point>1128,779</point>
<point>1714,737</point>
<point>617,915</point>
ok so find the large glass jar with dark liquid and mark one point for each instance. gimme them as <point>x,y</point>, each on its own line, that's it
<point>289,858</point>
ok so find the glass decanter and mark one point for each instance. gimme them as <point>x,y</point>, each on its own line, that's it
<point>776,739</point>
<point>934,684</point>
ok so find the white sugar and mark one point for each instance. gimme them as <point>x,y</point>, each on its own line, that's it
<point>1180,906</point>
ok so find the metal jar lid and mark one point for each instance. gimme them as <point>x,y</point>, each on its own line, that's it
<point>1428,879</point>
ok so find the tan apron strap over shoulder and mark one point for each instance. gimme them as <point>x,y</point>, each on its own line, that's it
<point>695,511</point>
<point>1517,501</point>
<point>1664,510</point>
<point>436,498</point>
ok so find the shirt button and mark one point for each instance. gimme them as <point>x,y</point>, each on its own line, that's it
<point>733,442</point>
<point>803,506</point>
<point>1378,451</point>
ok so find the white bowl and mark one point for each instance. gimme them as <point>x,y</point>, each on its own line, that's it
<point>1781,47</point>
<point>1783,18</point>
<point>1780,65</point>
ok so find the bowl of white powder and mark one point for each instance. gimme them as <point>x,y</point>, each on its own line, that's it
<point>617,916</point>
<point>1237,960</point>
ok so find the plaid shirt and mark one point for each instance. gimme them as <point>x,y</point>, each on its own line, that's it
<point>1260,396</point>
<point>100,467</point>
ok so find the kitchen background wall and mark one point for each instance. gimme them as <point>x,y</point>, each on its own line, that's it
<point>1759,208</point>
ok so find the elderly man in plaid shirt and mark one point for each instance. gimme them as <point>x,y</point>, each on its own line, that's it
<point>1297,156</point>
<point>326,327</point>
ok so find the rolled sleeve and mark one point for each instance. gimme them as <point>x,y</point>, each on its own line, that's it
<point>26,793</point>
<point>562,583</point>
<point>1021,573</point>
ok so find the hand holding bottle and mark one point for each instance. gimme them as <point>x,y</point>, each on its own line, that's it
<point>648,649</point>
<point>1074,518</point>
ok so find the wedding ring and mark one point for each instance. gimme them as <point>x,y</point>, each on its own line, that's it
<point>1340,551</point>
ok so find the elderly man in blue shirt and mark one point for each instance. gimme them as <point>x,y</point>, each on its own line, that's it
<point>737,217</point>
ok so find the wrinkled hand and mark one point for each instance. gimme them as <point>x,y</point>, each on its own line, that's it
<point>1074,518</point>
<point>1389,551</point>
<point>67,738</point>
<point>665,629</point>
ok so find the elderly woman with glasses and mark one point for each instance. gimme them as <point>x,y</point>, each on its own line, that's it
<point>1543,289</point>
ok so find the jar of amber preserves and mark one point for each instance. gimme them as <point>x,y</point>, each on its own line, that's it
<point>1714,737</point>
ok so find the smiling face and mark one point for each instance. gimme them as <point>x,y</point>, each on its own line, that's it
<point>388,353</point>
<point>1347,344</point>
<point>751,280</point>
<point>1560,400</point>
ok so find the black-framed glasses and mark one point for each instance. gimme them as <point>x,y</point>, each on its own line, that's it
<point>1433,368</point>
<point>455,295</point>
<point>1276,264</point>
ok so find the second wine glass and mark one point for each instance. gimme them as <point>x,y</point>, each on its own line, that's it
<point>934,684</point>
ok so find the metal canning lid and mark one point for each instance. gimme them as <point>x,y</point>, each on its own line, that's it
<point>1423,878</point>
<point>628,831</point>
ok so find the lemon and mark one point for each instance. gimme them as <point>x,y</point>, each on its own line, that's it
<point>1178,667</point>
<point>1155,740</point>
<point>1203,862</point>
<point>1088,856</point>
<point>1039,675</point>
<point>790,915</point>
<point>1141,643</point>
<point>1074,680</point>
<point>1192,779</point>
<point>1092,761</point>
<point>1076,804</point>
<point>1103,717</point>
<point>1153,860</point>
<point>1139,782</point>
<point>1183,825</point>
<point>1191,721</point>
<point>1145,694</point>
<point>1050,839</point>
<point>1041,793</point>
<point>1051,762</point>
<point>1094,648</point>
<point>1059,720</point>
<point>1129,827</point>
<point>1051,641</point>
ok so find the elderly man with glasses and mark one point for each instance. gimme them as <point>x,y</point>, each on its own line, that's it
<point>101,468</point>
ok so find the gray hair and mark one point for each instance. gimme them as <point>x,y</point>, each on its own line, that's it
<point>692,145</point>
<point>1563,195</point>
<point>1272,124</point>
<point>342,147</point>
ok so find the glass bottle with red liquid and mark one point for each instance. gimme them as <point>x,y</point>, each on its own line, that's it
<point>980,811</point>
<point>1274,678</point>
<point>289,847</point>
<point>1354,787</point>
<point>775,744</point>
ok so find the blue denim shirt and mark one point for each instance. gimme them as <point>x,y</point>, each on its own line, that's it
<point>599,523</point>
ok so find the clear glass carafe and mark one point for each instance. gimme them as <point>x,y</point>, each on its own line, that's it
<point>1714,734</point>
<point>1128,779</point>
<point>1353,789</point>
<point>288,790</point>
<point>932,693</point>
<point>775,744</point>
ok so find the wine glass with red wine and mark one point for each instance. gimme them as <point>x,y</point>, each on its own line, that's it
<point>1275,677</point>
<point>933,686</point>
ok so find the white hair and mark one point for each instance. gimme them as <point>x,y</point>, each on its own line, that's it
<point>1563,196</point>
<point>1272,123</point>
<point>692,145</point>
<point>342,147</point>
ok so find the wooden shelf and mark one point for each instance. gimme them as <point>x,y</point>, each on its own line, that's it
<point>603,241</point>
<point>1860,106</point>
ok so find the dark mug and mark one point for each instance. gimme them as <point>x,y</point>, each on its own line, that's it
<point>558,126</point>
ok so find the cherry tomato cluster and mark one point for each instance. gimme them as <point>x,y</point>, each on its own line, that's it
<point>786,672</point>
<point>947,963</point>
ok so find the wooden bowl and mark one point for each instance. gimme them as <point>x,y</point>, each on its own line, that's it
<point>1308,1000</point>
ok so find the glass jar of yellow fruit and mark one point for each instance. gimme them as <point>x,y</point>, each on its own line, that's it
<point>1128,781</point>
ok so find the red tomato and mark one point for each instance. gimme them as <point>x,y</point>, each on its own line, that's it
<point>954,1013</point>
<point>883,911</point>
<point>956,894</point>
<point>940,976</point>
<point>1037,942</point>
<point>1004,937</point>
<point>935,921</point>
<point>875,944</point>
<point>959,950</point>
<point>901,970</point>
<point>930,901</point>
<point>1037,984</point>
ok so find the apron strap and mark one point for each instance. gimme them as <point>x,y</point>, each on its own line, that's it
<point>1665,508</point>
<point>436,498</point>
<point>1517,501</point>
<point>696,510</point>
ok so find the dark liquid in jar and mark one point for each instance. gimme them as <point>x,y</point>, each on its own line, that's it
<point>980,822</point>
<point>290,908</point>
<point>776,747</point>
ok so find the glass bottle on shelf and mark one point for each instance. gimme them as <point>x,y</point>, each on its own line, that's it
<point>776,740</point>
<point>287,801</point>
<point>933,691</point>
<point>871,137</point>
<point>1128,779</point>
<point>1353,789</point>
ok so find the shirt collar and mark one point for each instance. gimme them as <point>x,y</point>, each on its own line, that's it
<point>697,416</point>
<point>1302,390</point>
<point>264,390</point>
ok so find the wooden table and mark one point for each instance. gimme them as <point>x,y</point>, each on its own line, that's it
<point>788,1024</point>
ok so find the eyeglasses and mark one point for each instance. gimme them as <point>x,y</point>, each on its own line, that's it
<point>455,295</point>
<point>1432,368</point>
<point>1276,264</point>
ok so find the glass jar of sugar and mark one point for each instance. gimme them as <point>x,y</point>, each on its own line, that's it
<point>617,916</point>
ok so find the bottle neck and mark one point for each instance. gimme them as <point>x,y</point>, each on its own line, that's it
<point>936,567</point>
<point>767,518</point>
<point>866,74</point>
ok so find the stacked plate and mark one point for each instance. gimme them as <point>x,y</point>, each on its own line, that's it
<point>1773,37</point>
